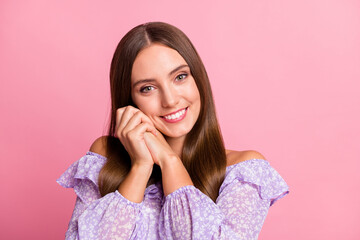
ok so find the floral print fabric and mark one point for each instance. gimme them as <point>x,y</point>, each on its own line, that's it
<point>248,190</point>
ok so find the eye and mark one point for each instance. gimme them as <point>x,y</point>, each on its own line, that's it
<point>181,77</point>
<point>146,89</point>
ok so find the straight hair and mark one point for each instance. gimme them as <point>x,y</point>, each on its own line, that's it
<point>203,153</point>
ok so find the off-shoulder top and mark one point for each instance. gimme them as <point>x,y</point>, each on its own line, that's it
<point>248,190</point>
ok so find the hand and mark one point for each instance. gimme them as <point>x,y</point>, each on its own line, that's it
<point>131,124</point>
<point>174,174</point>
<point>159,148</point>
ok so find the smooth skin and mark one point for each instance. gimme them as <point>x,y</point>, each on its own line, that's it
<point>161,86</point>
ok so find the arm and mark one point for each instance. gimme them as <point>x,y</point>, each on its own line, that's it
<point>131,125</point>
<point>95,217</point>
<point>111,216</point>
<point>174,174</point>
<point>134,184</point>
<point>239,212</point>
<point>189,214</point>
<point>116,214</point>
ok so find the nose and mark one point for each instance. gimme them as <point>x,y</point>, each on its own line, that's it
<point>170,97</point>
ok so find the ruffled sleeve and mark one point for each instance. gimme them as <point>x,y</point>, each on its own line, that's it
<point>249,189</point>
<point>82,175</point>
<point>258,173</point>
<point>96,217</point>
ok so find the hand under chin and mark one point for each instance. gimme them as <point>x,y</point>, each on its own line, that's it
<point>158,147</point>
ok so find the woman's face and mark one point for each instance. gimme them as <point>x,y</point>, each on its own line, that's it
<point>163,88</point>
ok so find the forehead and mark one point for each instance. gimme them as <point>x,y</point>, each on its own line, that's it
<point>155,61</point>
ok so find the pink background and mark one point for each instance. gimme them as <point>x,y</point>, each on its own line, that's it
<point>285,76</point>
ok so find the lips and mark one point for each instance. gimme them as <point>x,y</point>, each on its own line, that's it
<point>175,116</point>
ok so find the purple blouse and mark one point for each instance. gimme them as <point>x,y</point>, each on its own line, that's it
<point>248,190</point>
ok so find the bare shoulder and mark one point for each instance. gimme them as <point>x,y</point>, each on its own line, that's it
<point>99,146</point>
<point>234,157</point>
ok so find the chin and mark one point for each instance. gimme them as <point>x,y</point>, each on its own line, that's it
<point>176,134</point>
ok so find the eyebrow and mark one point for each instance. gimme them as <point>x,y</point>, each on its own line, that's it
<point>177,69</point>
<point>153,80</point>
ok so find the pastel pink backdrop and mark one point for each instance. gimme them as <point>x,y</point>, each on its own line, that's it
<point>285,76</point>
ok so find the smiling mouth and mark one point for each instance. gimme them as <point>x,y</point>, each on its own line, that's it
<point>175,116</point>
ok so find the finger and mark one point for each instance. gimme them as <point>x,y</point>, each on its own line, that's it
<point>137,118</point>
<point>152,144</point>
<point>139,131</point>
<point>161,137</point>
<point>125,115</point>
<point>122,116</point>
<point>150,138</point>
<point>119,113</point>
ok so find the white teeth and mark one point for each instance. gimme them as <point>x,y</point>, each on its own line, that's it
<point>175,116</point>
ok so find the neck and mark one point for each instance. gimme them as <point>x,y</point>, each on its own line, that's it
<point>176,144</point>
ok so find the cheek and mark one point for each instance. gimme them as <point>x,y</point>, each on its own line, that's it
<point>194,94</point>
<point>147,105</point>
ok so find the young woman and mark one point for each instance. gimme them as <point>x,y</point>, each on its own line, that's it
<point>163,171</point>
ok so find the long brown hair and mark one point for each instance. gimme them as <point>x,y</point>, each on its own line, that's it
<point>203,153</point>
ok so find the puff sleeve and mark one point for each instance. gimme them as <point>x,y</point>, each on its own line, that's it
<point>96,217</point>
<point>249,189</point>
